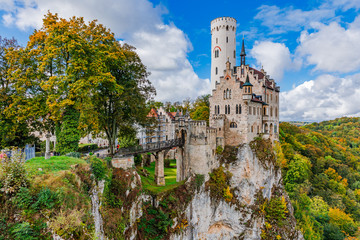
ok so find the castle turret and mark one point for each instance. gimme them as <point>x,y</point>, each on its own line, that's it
<point>247,88</point>
<point>223,46</point>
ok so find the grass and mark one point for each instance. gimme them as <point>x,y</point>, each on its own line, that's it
<point>51,165</point>
<point>149,184</point>
<point>85,144</point>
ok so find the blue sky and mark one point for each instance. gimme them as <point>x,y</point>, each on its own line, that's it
<point>311,48</point>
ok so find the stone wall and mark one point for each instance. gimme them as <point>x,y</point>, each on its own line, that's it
<point>123,162</point>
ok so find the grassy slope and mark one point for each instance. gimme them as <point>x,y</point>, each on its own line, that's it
<point>52,165</point>
<point>170,179</point>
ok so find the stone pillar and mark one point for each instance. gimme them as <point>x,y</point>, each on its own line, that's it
<point>179,164</point>
<point>47,151</point>
<point>159,169</point>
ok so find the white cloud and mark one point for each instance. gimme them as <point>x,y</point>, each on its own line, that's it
<point>332,47</point>
<point>281,20</point>
<point>162,47</point>
<point>346,4</point>
<point>275,57</point>
<point>326,97</point>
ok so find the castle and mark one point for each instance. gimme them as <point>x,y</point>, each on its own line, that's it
<point>244,104</point>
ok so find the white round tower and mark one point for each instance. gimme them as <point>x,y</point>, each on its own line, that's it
<point>223,46</point>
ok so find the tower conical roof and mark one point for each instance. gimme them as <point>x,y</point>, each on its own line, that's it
<point>243,48</point>
<point>247,82</point>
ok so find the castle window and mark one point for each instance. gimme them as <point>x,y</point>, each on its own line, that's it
<point>264,111</point>
<point>227,93</point>
<point>271,111</point>
<point>257,130</point>
<point>216,71</point>
<point>233,125</point>
<point>230,94</point>
<point>234,54</point>
<point>276,112</point>
<point>227,39</point>
<point>245,89</point>
<point>228,109</point>
<point>217,53</point>
<point>227,28</point>
<point>216,40</point>
<point>215,109</point>
<point>242,71</point>
<point>249,110</point>
<point>225,109</point>
<point>224,94</point>
<point>275,128</point>
<point>252,129</point>
<point>237,109</point>
<point>276,98</point>
<point>218,109</point>
<point>254,111</point>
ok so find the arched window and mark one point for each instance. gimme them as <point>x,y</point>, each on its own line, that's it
<point>227,28</point>
<point>225,109</point>
<point>266,130</point>
<point>224,94</point>
<point>216,53</point>
<point>252,129</point>
<point>228,109</point>
<point>216,71</point>
<point>227,39</point>
<point>276,112</point>
<point>254,111</point>
<point>271,112</point>
<point>227,93</point>
<point>271,128</point>
<point>239,108</point>
<point>249,110</point>
<point>233,125</point>
<point>234,54</point>
<point>230,94</point>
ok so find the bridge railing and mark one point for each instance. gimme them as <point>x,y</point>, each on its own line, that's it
<point>151,147</point>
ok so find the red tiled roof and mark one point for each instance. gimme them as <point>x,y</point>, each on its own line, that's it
<point>268,84</point>
<point>261,75</point>
<point>152,113</point>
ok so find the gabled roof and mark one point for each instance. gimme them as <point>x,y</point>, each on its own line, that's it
<point>260,74</point>
<point>153,113</point>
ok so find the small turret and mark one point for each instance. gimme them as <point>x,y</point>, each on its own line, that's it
<point>247,88</point>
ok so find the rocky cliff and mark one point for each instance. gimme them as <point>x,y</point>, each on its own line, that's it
<point>242,199</point>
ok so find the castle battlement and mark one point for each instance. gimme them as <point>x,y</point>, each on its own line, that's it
<point>197,123</point>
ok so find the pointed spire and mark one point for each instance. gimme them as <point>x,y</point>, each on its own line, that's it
<point>247,82</point>
<point>243,48</point>
<point>242,54</point>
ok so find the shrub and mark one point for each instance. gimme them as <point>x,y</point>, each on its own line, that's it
<point>199,180</point>
<point>46,199</point>
<point>68,224</point>
<point>23,198</point>
<point>23,231</point>
<point>219,182</point>
<point>98,168</point>
<point>219,150</point>
<point>74,154</point>
<point>14,175</point>
<point>155,223</point>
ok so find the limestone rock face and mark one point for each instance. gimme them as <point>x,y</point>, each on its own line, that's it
<point>209,219</point>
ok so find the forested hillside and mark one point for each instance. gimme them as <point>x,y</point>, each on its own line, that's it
<point>320,165</point>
